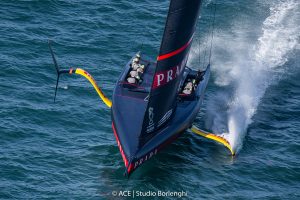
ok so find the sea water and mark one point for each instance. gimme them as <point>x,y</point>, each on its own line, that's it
<point>67,150</point>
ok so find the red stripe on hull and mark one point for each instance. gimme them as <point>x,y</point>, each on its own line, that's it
<point>129,168</point>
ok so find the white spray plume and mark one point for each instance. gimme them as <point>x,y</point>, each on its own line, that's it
<point>243,69</point>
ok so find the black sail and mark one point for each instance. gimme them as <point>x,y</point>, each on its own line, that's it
<point>174,51</point>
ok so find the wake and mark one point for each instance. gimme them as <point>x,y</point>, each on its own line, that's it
<point>248,69</point>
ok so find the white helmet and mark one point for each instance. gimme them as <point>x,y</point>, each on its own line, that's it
<point>133,73</point>
<point>135,66</point>
<point>189,85</point>
<point>186,91</point>
<point>140,70</point>
<point>131,80</point>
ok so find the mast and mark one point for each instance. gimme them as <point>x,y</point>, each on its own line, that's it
<point>171,61</point>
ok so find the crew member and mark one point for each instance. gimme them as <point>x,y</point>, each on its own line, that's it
<point>137,70</point>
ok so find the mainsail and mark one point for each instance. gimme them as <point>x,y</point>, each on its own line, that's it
<point>174,51</point>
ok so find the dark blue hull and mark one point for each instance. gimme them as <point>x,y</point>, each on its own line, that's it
<point>129,106</point>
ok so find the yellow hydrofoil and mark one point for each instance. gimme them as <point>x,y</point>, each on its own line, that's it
<point>211,136</point>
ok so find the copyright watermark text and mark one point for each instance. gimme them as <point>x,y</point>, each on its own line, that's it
<point>159,193</point>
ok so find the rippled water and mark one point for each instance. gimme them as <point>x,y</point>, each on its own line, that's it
<point>68,150</point>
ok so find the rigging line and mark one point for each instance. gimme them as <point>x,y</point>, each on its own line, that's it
<point>206,42</point>
<point>142,45</point>
<point>199,42</point>
<point>212,32</point>
<point>205,50</point>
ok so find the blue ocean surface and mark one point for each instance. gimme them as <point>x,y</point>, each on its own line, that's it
<point>67,150</point>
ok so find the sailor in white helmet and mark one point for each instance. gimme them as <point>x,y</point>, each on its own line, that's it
<point>137,69</point>
<point>133,73</point>
<point>133,77</point>
<point>131,80</point>
<point>188,88</point>
<point>138,56</point>
<point>135,60</point>
<point>135,64</point>
<point>140,68</point>
<point>136,75</point>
